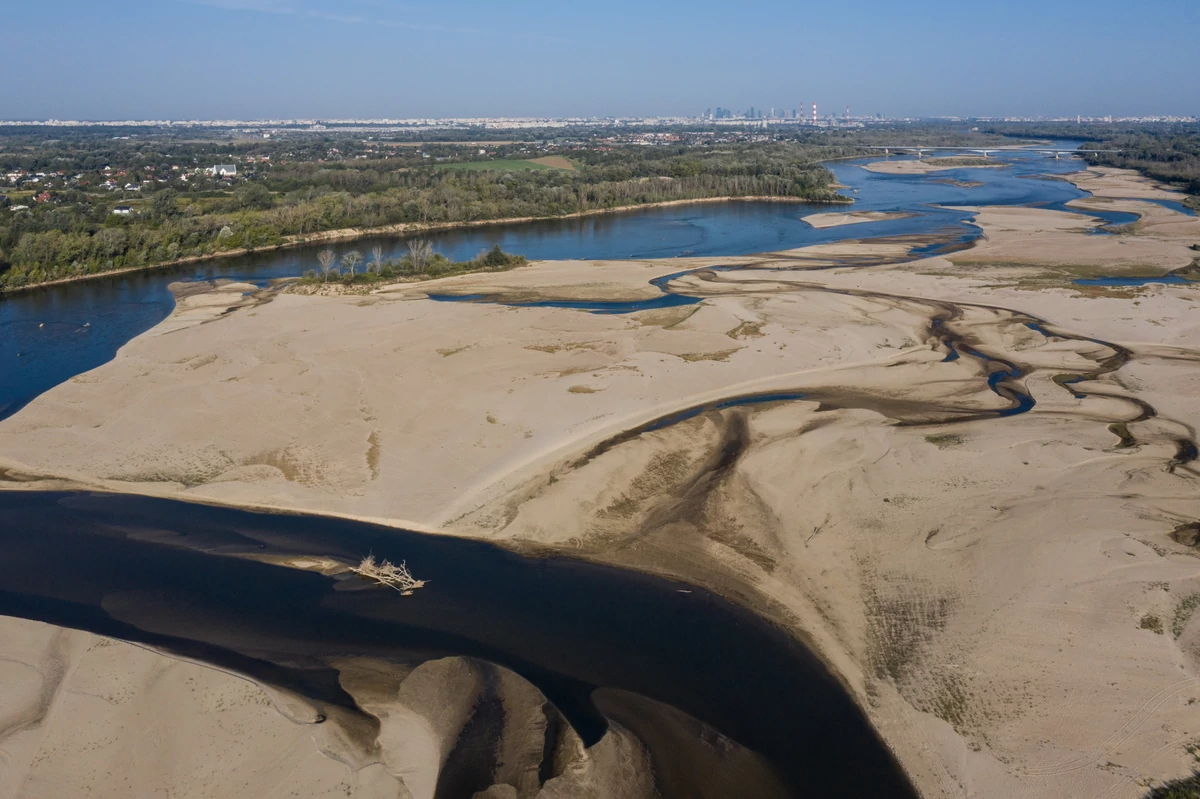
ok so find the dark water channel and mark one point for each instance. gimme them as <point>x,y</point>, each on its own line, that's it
<point>166,573</point>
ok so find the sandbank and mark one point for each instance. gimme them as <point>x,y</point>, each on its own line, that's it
<point>912,166</point>
<point>985,584</point>
<point>856,217</point>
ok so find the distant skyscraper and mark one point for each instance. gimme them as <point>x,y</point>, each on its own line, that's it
<point>814,113</point>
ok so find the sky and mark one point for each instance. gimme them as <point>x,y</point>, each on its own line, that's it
<point>335,59</point>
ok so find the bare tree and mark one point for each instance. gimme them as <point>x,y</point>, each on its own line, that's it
<point>385,573</point>
<point>420,251</point>
<point>326,259</point>
<point>377,258</point>
<point>351,260</point>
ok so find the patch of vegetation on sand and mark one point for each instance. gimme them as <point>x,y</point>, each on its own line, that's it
<point>946,440</point>
<point>1186,788</point>
<point>1187,534</point>
<point>721,355</point>
<point>1183,613</point>
<point>374,454</point>
<point>447,352</point>
<point>584,390</point>
<point>746,330</point>
<point>1152,623</point>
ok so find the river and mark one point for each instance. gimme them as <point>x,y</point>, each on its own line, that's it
<point>189,579</point>
<point>52,334</point>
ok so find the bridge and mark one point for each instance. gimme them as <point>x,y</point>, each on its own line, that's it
<point>986,152</point>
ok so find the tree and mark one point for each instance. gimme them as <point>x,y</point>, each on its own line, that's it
<point>253,196</point>
<point>377,258</point>
<point>420,251</point>
<point>351,260</point>
<point>164,205</point>
<point>326,259</point>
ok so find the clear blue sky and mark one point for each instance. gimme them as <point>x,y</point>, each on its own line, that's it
<point>106,59</point>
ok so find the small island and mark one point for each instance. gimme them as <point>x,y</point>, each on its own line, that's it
<point>834,219</point>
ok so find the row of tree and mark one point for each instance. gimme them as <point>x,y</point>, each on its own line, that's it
<point>419,261</point>
<point>75,237</point>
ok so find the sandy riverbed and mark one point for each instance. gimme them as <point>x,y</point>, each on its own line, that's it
<point>998,593</point>
<point>853,218</point>
<point>913,166</point>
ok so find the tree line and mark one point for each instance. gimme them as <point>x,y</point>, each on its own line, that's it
<point>76,236</point>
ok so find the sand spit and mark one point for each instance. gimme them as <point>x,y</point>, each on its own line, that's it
<point>994,571</point>
<point>857,217</point>
<point>912,166</point>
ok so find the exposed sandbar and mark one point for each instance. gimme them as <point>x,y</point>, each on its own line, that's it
<point>856,217</point>
<point>1001,593</point>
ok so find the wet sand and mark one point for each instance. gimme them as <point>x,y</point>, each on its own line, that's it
<point>1001,593</point>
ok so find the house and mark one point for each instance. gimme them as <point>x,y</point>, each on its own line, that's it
<point>223,170</point>
<point>122,210</point>
<point>44,197</point>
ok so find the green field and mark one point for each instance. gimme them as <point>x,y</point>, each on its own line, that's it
<point>501,165</point>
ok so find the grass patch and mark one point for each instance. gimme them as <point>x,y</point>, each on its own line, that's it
<point>1152,623</point>
<point>746,330</point>
<point>374,453</point>
<point>499,165</point>
<point>555,162</point>
<point>946,440</point>
<point>584,390</point>
<point>446,353</point>
<point>723,355</point>
<point>1183,613</point>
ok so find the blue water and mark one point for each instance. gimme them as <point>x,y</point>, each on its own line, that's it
<point>49,335</point>
<point>1174,206</point>
<point>1130,281</point>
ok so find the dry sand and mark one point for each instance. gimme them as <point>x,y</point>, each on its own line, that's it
<point>1002,595</point>
<point>853,218</point>
<point>922,167</point>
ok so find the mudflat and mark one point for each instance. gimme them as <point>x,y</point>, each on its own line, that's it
<point>968,504</point>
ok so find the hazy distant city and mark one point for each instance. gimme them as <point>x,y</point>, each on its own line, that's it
<point>803,115</point>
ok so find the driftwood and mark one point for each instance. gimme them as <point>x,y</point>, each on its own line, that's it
<point>387,573</point>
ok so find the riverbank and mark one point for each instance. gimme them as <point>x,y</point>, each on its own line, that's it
<point>409,228</point>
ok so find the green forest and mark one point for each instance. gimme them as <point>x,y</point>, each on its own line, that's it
<point>294,189</point>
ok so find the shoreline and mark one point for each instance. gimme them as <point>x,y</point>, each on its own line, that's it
<point>400,228</point>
